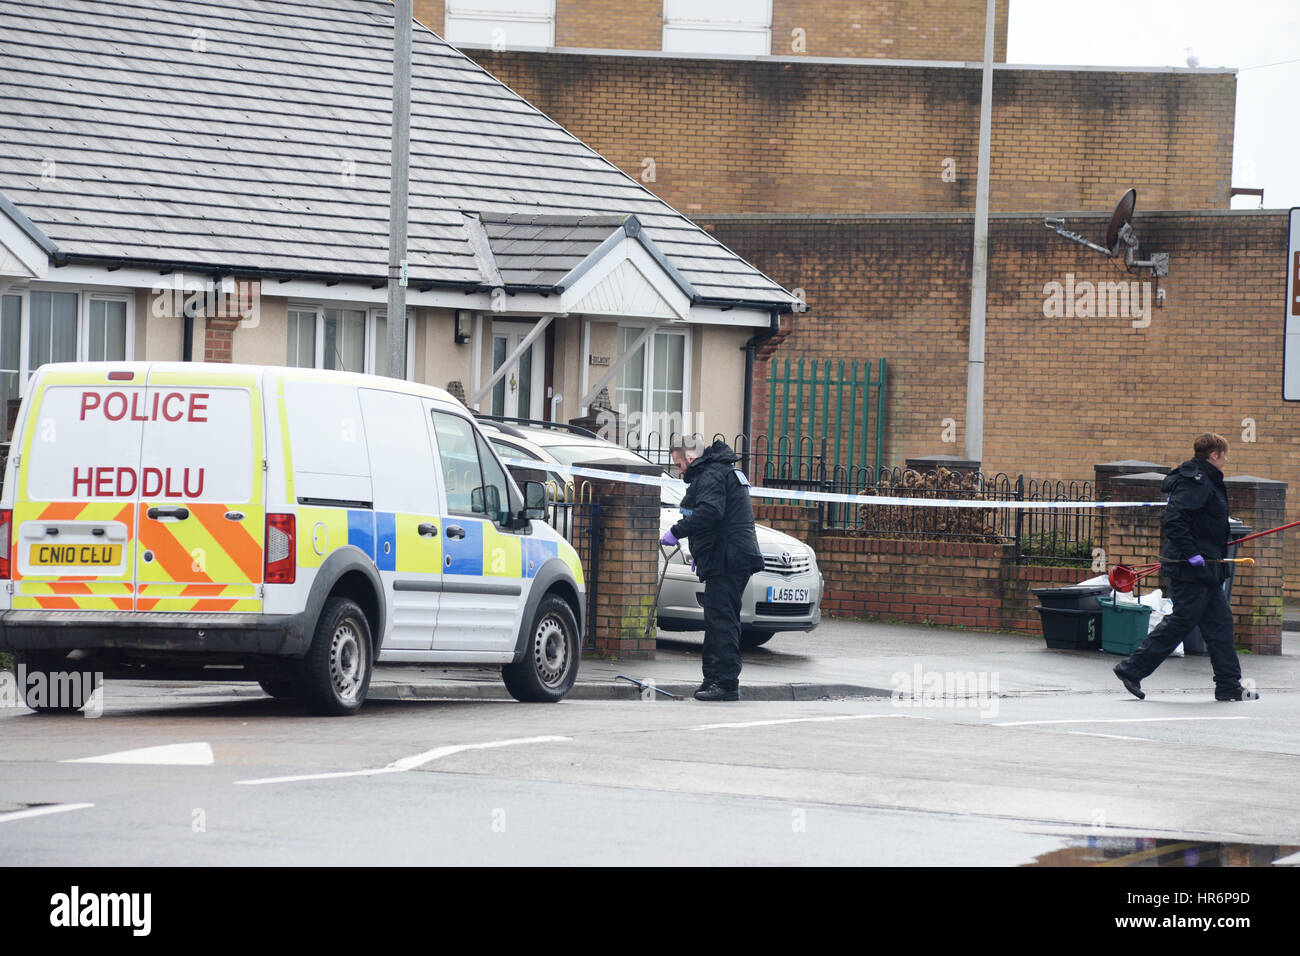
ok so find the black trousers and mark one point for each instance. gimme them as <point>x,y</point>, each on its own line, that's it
<point>1195,602</point>
<point>721,657</point>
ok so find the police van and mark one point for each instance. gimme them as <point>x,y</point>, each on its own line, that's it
<point>289,526</point>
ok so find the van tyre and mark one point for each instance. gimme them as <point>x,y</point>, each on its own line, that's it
<point>550,662</point>
<point>63,686</point>
<point>334,677</point>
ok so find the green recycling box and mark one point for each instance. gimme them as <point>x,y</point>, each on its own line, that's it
<point>1123,625</point>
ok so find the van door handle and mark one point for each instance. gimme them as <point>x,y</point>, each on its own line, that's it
<point>455,531</point>
<point>169,512</point>
<point>428,530</point>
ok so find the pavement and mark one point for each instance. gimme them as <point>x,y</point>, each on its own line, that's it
<point>845,658</point>
<point>1291,616</point>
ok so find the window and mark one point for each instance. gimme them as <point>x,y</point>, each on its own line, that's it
<point>501,24</point>
<point>650,389</point>
<point>477,485</point>
<point>40,326</point>
<point>718,26</point>
<point>344,339</point>
<point>302,339</point>
<point>52,328</point>
<point>11,328</point>
<point>107,330</point>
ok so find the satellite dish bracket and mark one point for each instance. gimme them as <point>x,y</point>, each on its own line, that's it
<point>1120,239</point>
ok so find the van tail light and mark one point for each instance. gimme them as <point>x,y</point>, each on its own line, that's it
<point>281,550</point>
<point>6,531</point>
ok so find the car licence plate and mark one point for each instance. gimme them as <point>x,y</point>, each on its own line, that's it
<point>780,595</point>
<point>76,555</point>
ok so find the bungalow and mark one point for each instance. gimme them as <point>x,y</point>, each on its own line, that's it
<point>198,180</point>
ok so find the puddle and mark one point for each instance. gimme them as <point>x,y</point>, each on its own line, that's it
<point>1152,851</point>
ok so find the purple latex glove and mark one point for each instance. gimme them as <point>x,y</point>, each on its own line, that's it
<point>669,539</point>
<point>1196,561</point>
<point>692,565</point>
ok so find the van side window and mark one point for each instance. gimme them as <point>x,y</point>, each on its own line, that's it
<point>496,487</point>
<point>461,472</point>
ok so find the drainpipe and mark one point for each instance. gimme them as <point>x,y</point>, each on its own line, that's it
<point>751,349</point>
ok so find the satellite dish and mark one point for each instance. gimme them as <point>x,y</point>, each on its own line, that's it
<point>1120,238</point>
<point>1120,218</point>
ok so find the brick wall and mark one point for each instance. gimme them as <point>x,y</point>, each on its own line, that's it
<point>1060,394</point>
<point>980,586</point>
<point>897,30</point>
<point>732,136</point>
<point>629,565</point>
<point>432,13</point>
<point>912,30</point>
<point>609,24</point>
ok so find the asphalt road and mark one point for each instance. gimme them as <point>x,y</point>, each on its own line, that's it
<point>860,781</point>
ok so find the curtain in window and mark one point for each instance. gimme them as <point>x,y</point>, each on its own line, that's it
<point>53,335</point>
<point>345,340</point>
<point>302,339</point>
<point>107,330</point>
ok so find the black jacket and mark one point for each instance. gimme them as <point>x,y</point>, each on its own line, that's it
<point>1195,520</point>
<point>717,516</point>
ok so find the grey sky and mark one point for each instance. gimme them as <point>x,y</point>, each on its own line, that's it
<point>1245,34</point>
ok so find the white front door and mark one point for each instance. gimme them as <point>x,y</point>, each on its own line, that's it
<point>518,393</point>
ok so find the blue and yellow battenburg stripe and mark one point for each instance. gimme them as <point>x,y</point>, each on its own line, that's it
<point>393,541</point>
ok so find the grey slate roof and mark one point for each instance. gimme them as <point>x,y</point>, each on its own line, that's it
<point>254,135</point>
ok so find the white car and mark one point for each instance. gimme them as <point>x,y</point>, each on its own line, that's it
<point>784,596</point>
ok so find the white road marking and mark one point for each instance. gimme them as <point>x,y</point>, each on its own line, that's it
<point>1112,720</point>
<point>806,720</point>
<point>1084,733</point>
<point>1292,860</point>
<point>42,811</point>
<point>408,763</point>
<point>175,755</point>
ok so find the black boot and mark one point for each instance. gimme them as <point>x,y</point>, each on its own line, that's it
<point>1132,685</point>
<point>1223,692</point>
<point>717,692</point>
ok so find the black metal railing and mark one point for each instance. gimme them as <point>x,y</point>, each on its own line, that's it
<point>571,511</point>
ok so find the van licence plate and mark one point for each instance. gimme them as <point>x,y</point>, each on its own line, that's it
<point>780,595</point>
<point>76,555</point>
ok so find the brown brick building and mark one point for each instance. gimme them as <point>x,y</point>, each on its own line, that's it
<point>854,181</point>
<point>912,30</point>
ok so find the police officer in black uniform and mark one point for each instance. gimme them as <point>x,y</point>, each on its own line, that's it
<point>719,521</point>
<point>1195,524</point>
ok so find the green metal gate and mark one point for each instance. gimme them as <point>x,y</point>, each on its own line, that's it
<point>822,405</point>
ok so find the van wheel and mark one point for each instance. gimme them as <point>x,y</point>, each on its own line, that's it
<point>550,664</point>
<point>61,687</point>
<point>750,638</point>
<point>335,675</point>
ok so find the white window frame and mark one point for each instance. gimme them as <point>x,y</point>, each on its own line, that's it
<point>700,27</point>
<point>84,297</point>
<point>369,346</point>
<point>456,14</point>
<point>647,360</point>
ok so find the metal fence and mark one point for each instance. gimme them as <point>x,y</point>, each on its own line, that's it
<point>839,408</point>
<point>1043,537</point>
<point>572,511</point>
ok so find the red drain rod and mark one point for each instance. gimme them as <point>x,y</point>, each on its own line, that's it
<point>1260,534</point>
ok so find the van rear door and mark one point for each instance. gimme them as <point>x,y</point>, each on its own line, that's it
<point>200,512</point>
<point>74,507</point>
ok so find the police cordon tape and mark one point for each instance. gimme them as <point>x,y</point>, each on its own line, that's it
<point>827,496</point>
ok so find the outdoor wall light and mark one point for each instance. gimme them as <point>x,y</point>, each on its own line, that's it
<point>462,327</point>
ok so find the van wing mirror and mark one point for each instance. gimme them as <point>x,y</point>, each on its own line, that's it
<point>534,501</point>
<point>476,501</point>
